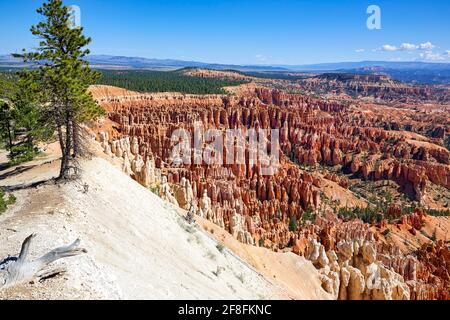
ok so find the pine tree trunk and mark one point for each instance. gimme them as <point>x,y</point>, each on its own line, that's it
<point>76,140</point>
<point>61,139</point>
<point>66,153</point>
<point>9,136</point>
<point>64,167</point>
<point>62,144</point>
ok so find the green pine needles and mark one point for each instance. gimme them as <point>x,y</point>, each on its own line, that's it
<point>59,83</point>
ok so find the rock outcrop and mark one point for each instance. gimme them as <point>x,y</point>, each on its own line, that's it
<point>259,209</point>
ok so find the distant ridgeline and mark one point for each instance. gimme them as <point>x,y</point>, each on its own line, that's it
<point>161,81</point>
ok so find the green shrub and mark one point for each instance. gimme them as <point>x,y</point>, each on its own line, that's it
<point>4,203</point>
<point>261,243</point>
<point>293,224</point>
<point>308,215</point>
<point>437,213</point>
<point>434,236</point>
<point>367,214</point>
<point>22,153</point>
<point>220,247</point>
<point>155,190</point>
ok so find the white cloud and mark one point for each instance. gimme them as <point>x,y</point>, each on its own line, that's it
<point>432,56</point>
<point>360,50</point>
<point>427,46</point>
<point>388,47</point>
<point>408,46</point>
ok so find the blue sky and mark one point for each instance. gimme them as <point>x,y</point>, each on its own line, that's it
<point>248,31</point>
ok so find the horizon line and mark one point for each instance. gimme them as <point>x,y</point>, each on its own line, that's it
<point>262,65</point>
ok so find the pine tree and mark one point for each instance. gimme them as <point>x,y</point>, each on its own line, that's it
<point>293,224</point>
<point>6,134</point>
<point>63,77</point>
<point>6,110</point>
<point>21,121</point>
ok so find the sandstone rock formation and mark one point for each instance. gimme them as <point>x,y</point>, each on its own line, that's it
<point>258,209</point>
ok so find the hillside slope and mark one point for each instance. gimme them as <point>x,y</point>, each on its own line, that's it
<point>138,246</point>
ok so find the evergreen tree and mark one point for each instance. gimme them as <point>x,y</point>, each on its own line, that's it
<point>6,135</point>
<point>30,121</point>
<point>21,120</point>
<point>63,77</point>
<point>293,224</point>
<point>6,110</point>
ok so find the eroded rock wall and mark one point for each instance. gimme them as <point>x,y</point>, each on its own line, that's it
<point>258,209</point>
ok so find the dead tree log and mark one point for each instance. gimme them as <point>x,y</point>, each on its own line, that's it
<point>17,270</point>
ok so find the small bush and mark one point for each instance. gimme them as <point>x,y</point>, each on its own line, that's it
<point>220,247</point>
<point>187,227</point>
<point>11,200</point>
<point>434,236</point>
<point>198,238</point>
<point>293,224</point>
<point>155,190</point>
<point>308,215</point>
<point>22,153</point>
<point>217,272</point>
<point>232,288</point>
<point>424,234</point>
<point>211,255</point>
<point>4,203</point>
<point>368,214</point>
<point>261,243</point>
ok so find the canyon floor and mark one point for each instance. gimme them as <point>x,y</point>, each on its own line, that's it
<point>139,247</point>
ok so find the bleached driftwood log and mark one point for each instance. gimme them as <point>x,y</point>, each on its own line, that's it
<point>17,270</point>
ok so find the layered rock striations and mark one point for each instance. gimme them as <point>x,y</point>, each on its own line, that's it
<point>270,210</point>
